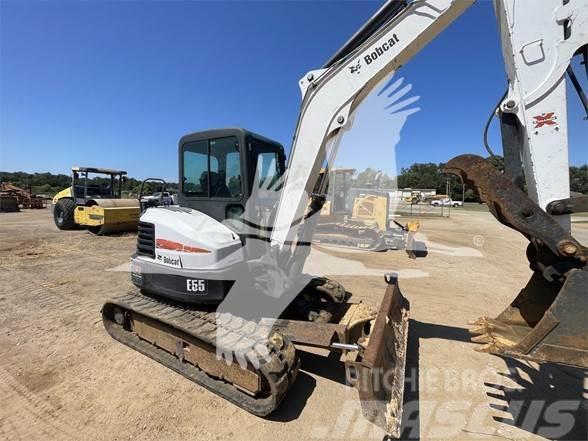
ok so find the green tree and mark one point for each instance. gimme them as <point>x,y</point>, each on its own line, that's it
<point>50,184</point>
<point>579,179</point>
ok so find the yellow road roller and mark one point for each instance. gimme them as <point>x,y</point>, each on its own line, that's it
<point>95,203</point>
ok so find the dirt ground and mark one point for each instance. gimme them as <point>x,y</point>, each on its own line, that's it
<point>63,377</point>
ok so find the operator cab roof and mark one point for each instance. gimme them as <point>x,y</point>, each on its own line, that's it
<point>228,131</point>
<point>106,171</point>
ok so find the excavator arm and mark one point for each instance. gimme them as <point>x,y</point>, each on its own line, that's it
<point>549,318</point>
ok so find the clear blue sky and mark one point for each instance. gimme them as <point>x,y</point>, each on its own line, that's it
<point>116,84</point>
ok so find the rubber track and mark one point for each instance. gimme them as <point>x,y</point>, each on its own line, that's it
<point>278,369</point>
<point>348,235</point>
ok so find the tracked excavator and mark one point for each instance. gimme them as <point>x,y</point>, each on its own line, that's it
<point>234,256</point>
<point>359,218</point>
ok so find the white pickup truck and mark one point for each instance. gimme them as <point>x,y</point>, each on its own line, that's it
<point>446,202</point>
<point>166,198</point>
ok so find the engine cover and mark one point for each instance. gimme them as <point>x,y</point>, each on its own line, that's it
<point>185,255</point>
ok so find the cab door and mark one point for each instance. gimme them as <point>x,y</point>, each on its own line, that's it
<point>267,165</point>
<point>212,174</point>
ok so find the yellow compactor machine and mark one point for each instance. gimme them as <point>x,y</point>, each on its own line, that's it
<point>96,204</point>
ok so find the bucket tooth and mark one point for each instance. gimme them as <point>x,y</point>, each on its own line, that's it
<point>482,338</point>
<point>478,330</point>
<point>490,326</point>
<point>487,348</point>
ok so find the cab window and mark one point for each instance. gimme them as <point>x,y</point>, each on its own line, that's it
<point>212,168</point>
<point>196,168</point>
<point>268,169</point>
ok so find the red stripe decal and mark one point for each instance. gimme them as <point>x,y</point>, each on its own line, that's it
<point>165,244</point>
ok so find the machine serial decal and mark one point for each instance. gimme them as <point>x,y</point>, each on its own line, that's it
<point>381,49</point>
<point>545,119</point>
<point>165,244</point>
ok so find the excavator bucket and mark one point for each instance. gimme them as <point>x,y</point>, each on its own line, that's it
<point>378,371</point>
<point>548,320</point>
<point>543,323</point>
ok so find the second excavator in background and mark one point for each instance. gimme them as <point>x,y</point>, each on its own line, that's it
<point>359,218</point>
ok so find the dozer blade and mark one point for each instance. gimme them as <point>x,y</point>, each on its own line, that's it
<point>378,371</point>
<point>548,320</point>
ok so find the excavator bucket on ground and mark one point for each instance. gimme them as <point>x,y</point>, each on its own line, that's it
<point>548,320</point>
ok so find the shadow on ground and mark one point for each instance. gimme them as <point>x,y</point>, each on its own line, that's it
<point>548,400</point>
<point>410,428</point>
<point>295,400</point>
<point>329,367</point>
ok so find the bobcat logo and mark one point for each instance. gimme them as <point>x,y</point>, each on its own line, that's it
<point>357,68</point>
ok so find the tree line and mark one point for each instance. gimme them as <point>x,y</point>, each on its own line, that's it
<point>430,176</point>
<point>417,176</point>
<point>49,184</point>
